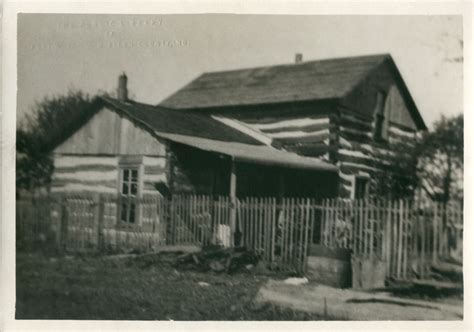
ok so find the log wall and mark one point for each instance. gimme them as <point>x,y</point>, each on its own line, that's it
<point>90,160</point>
<point>357,152</point>
<point>339,131</point>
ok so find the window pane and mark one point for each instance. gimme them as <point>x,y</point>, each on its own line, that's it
<point>133,189</point>
<point>124,212</point>
<point>132,213</point>
<point>125,188</point>
<point>134,175</point>
<point>125,174</point>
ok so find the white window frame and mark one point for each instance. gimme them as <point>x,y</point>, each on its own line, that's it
<point>128,197</point>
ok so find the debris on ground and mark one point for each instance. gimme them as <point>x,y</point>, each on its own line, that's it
<point>203,284</point>
<point>296,281</point>
<point>426,290</point>
<point>448,271</point>
<point>219,260</point>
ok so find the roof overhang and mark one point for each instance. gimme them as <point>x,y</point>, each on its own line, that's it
<point>240,152</point>
<point>252,154</point>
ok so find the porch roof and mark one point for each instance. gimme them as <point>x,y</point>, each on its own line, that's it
<point>254,154</point>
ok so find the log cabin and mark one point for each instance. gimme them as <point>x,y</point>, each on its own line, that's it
<point>349,112</point>
<point>310,129</point>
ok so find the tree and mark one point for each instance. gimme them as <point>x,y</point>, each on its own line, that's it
<point>398,177</point>
<point>441,163</point>
<point>50,122</point>
<point>433,162</point>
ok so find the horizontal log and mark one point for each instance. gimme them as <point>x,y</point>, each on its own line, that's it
<point>87,175</point>
<point>401,126</point>
<point>306,129</point>
<point>381,165</point>
<point>78,187</point>
<point>351,122</point>
<point>85,167</point>
<point>350,167</point>
<point>152,170</point>
<point>274,118</point>
<point>299,134</point>
<point>307,139</point>
<point>91,182</point>
<point>154,161</point>
<point>77,160</point>
<point>355,137</point>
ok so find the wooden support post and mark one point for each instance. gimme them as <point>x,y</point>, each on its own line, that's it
<point>233,200</point>
<point>96,205</point>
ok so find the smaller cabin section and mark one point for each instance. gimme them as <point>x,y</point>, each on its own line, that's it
<point>105,153</point>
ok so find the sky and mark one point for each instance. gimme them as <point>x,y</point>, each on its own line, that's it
<point>162,53</point>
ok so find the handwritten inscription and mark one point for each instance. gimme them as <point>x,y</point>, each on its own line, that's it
<point>110,23</point>
<point>110,44</point>
<point>110,33</point>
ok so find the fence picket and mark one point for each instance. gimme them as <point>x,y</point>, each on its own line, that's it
<point>405,238</point>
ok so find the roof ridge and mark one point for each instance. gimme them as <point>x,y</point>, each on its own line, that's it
<point>290,64</point>
<point>134,102</point>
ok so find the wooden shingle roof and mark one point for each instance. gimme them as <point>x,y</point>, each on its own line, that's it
<point>164,120</point>
<point>202,132</point>
<point>312,80</point>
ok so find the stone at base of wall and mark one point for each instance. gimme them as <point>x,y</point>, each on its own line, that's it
<point>368,273</point>
<point>331,267</point>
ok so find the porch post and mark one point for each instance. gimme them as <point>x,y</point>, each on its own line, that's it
<point>281,185</point>
<point>233,200</point>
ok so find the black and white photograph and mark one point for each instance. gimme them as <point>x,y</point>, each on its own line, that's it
<point>239,167</point>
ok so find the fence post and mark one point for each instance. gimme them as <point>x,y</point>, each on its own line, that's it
<point>274,226</point>
<point>100,211</point>
<point>388,235</point>
<point>59,221</point>
<point>307,238</point>
<point>400,237</point>
<point>63,229</point>
<point>233,201</point>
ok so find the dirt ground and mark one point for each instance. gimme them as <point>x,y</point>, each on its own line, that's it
<point>152,287</point>
<point>97,288</point>
<point>349,304</point>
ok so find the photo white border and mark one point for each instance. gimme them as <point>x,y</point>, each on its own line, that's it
<point>8,123</point>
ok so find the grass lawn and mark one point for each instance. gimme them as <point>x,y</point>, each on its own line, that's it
<point>132,289</point>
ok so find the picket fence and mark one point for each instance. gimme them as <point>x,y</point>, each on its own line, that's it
<point>406,235</point>
<point>93,223</point>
